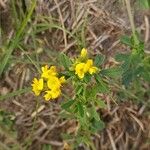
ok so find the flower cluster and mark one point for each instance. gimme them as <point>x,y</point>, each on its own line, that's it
<point>49,83</point>
<point>84,65</point>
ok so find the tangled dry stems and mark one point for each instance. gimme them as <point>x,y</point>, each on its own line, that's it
<point>127,126</point>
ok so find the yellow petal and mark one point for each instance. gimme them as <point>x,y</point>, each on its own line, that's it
<point>53,70</point>
<point>45,68</point>
<point>62,79</point>
<point>46,72</point>
<point>93,70</point>
<point>40,85</point>
<point>53,83</point>
<point>48,95</point>
<point>89,62</point>
<point>81,75</point>
<point>52,94</point>
<point>83,53</point>
<point>56,93</point>
<point>88,65</point>
<point>36,92</point>
<point>79,70</point>
<point>37,86</point>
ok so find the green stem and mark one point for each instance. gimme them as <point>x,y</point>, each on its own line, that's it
<point>128,6</point>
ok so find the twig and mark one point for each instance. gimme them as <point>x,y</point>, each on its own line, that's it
<point>147,32</point>
<point>138,121</point>
<point>54,143</point>
<point>111,140</point>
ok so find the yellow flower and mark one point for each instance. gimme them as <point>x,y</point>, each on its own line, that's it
<point>53,83</point>
<point>76,61</point>
<point>83,53</point>
<point>62,79</point>
<point>37,86</point>
<point>46,72</point>
<point>82,68</point>
<point>52,94</point>
<point>79,70</point>
<point>93,70</point>
<point>88,65</point>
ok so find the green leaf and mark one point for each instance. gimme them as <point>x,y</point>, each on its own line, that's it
<point>146,75</point>
<point>80,109</point>
<point>68,104</point>
<point>121,57</point>
<point>64,60</point>
<point>97,125</point>
<point>132,74</point>
<point>94,113</point>
<point>99,59</point>
<point>146,63</point>
<point>127,77</point>
<point>46,147</point>
<point>98,88</point>
<point>126,65</point>
<point>67,136</point>
<point>87,78</point>
<point>126,40</point>
<point>112,72</point>
<point>100,103</point>
<point>101,86</point>
<point>126,59</point>
<point>88,142</point>
<point>145,3</point>
<point>79,89</point>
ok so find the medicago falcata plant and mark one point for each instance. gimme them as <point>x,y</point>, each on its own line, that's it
<point>83,73</point>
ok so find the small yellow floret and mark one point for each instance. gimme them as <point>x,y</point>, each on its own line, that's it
<point>83,53</point>
<point>52,94</point>
<point>93,70</point>
<point>83,68</point>
<point>79,70</point>
<point>53,83</point>
<point>46,72</point>
<point>37,86</point>
<point>88,65</point>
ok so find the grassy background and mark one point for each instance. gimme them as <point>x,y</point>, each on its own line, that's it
<point>33,33</point>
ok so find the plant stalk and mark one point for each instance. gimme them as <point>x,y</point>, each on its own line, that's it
<point>128,6</point>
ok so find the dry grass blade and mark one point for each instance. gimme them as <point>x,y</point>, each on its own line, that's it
<point>37,111</point>
<point>62,22</point>
<point>147,29</point>
<point>53,143</point>
<point>138,121</point>
<point>111,140</point>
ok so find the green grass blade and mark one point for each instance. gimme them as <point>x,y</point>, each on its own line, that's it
<point>15,41</point>
<point>32,61</point>
<point>14,13</point>
<point>45,26</point>
<point>15,93</point>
